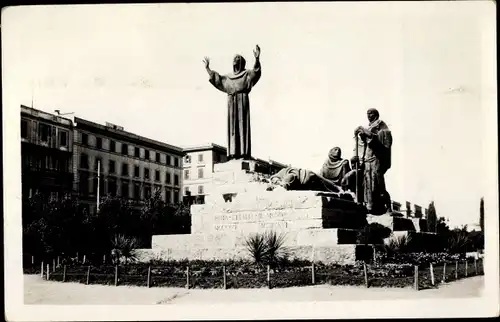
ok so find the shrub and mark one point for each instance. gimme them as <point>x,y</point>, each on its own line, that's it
<point>267,248</point>
<point>125,247</point>
<point>397,245</point>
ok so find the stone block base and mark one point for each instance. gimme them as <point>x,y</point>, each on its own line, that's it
<point>339,254</point>
<point>399,223</point>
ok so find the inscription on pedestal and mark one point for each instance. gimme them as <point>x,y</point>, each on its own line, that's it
<point>251,216</point>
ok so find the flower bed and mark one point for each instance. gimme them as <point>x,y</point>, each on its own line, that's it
<point>242,274</point>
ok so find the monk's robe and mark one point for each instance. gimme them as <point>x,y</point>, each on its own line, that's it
<point>237,86</point>
<point>301,179</point>
<point>334,169</point>
<point>375,154</point>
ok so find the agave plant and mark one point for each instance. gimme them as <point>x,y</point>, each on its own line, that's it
<point>256,246</point>
<point>397,245</point>
<point>124,247</point>
<point>276,251</point>
<point>267,248</point>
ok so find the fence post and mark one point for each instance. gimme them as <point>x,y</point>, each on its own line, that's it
<point>84,259</point>
<point>466,267</point>
<point>41,274</point>
<point>64,273</point>
<point>187,277</point>
<point>416,277</point>
<point>48,272</point>
<point>53,265</point>
<point>456,270</point>
<point>149,276</point>
<point>104,259</point>
<point>58,261</point>
<point>224,280</point>
<point>366,274</point>
<point>32,260</point>
<point>77,257</point>
<point>116,275</point>
<point>313,274</point>
<point>268,276</point>
<point>444,272</point>
<point>432,274</point>
<point>88,275</point>
<point>475,265</point>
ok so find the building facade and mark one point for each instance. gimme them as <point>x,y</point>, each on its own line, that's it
<point>198,169</point>
<point>130,166</point>
<point>46,153</point>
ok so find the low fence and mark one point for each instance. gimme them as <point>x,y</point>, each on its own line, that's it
<point>251,276</point>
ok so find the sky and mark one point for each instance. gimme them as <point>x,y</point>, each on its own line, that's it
<point>428,69</point>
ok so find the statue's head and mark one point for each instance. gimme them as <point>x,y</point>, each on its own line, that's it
<point>372,114</point>
<point>335,153</point>
<point>238,63</point>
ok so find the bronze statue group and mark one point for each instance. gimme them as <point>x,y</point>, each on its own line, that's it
<point>363,175</point>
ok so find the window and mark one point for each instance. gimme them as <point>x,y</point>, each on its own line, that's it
<point>125,187</point>
<point>83,184</point>
<point>146,154</point>
<point>137,191</point>
<point>98,143</point>
<point>112,186</point>
<point>157,156</point>
<point>124,149</point>
<point>157,175</point>
<point>84,161</point>
<point>176,180</point>
<point>168,194</point>
<point>176,196</point>
<point>85,139</point>
<point>186,191</point>
<point>112,146</point>
<point>137,152</point>
<point>111,166</point>
<point>200,190</point>
<point>186,175</point>
<point>146,173</point>
<point>176,162</point>
<point>96,164</point>
<point>124,169</point>
<point>147,192</point>
<point>200,157</point>
<point>169,160</point>
<point>24,129</point>
<point>136,171</point>
<point>168,178</point>
<point>63,138</point>
<point>187,159</point>
<point>200,173</point>
<point>44,132</point>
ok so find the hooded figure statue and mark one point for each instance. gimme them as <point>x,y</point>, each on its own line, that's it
<point>237,86</point>
<point>335,168</point>
<point>375,143</point>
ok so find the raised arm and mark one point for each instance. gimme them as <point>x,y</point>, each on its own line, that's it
<point>214,78</point>
<point>256,71</point>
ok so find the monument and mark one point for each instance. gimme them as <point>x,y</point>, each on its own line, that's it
<point>320,220</point>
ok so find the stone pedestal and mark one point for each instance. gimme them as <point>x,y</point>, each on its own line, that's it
<point>316,225</point>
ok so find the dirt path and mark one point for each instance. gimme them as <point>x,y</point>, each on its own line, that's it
<point>38,291</point>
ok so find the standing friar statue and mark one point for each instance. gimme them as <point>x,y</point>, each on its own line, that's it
<point>237,85</point>
<point>375,143</point>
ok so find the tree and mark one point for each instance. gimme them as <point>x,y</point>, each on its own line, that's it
<point>481,214</point>
<point>432,218</point>
<point>54,226</point>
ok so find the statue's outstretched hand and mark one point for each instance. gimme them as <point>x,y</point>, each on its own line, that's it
<point>256,52</point>
<point>206,61</point>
